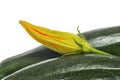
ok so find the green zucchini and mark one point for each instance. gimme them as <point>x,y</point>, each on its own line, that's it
<point>107,39</point>
<point>73,67</point>
<point>17,62</point>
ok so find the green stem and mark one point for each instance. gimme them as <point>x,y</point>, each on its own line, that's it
<point>80,34</point>
<point>92,49</point>
<point>99,51</point>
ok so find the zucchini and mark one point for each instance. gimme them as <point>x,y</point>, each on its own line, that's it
<point>106,39</point>
<point>73,67</point>
<point>17,62</point>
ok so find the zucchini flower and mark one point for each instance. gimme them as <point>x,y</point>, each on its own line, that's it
<point>61,42</point>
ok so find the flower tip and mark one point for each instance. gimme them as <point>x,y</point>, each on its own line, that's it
<point>24,23</point>
<point>21,21</point>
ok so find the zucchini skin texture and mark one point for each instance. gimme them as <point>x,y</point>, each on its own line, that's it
<point>102,37</point>
<point>73,67</point>
<point>17,62</point>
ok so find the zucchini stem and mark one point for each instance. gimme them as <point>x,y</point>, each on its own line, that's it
<point>92,49</point>
<point>99,51</point>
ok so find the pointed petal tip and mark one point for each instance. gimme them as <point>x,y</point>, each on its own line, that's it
<point>21,21</point>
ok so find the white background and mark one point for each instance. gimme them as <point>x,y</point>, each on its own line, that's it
<point>63,15</point>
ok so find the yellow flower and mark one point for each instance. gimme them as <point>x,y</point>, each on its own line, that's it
<point>61,42</point>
